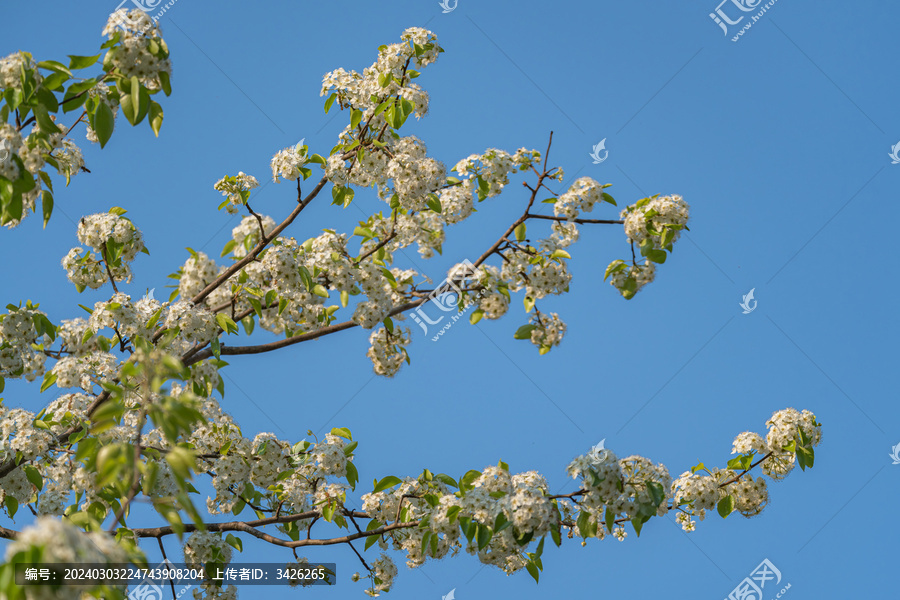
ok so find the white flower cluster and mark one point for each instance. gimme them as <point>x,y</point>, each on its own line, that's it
<point>195,323</point>
<point>357,90</point>
<point>648,217</point>
<point>32,151</point>
<point>387,351</point>
<point>785,426</point>
<point>581,197</point>
<point>548,332</point>
<point>236,189</point>
<point>10,143</point>
<point>414,174</point>
<point>632,279</point>
<point>18,435</point>
<point>286,163</point>
<point>384,571</point>
<point>61,542</point>
<point>202,547</point>
<point>103,233</point>
<point>141,51</point>
<point>522,499</point>
<point>329,456</point>
<point>198,271</point>
<point>11,68</point>
<point>18,333</point>
<point>246,235</point>
<point>101,92</point>
<point>538,276</point>
<point>695,492</point>
<point>69,159</point>
<point>85,371</point>
<point>493,168</point>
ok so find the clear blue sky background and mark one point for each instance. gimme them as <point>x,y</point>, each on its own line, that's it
<point>780,144</point>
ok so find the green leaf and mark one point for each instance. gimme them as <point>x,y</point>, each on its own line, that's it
<point>52,65</point>
<point>355,118</point>
<point>156,117</point>
<point>34,476</point>
<point>330,101</point>
<point>476,316</point>
<point>434,203</point>
<point>371,540</point>
<point>610,519</point>
<point>49,380</point>
<point>235,542</point>
<point>352,475</point>
<point>529,303</point>
<point>182,461</point>
<point>520,232</point>
<point>559,253</point>
<point>44,120</point>
<point>12,505</point>
<point>725,506</point>
<point>342,432</point>
<point>82,62</point>
<point>607,198</point>
<point>386,482</point>
<point>524,332</point>
<point>103,122</point>
<point>533,571</point>
<point>483,536</point>
<point>638,524</point>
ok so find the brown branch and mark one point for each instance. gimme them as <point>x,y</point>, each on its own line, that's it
<point>262,348</point>
<point>581,221</point>
<point>136,477</point>
<point>380,245</point>
<point>263,242</point>
<point>251,527</point>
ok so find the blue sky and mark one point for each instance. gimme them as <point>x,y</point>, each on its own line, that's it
<point>778,141</point>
